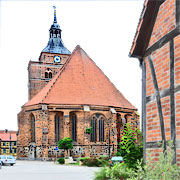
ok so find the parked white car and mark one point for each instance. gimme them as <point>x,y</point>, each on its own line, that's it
<point>6,159</point>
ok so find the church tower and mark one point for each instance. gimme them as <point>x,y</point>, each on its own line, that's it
<point>51,60</point>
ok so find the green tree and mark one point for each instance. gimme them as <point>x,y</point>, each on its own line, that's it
<point>65,143</point>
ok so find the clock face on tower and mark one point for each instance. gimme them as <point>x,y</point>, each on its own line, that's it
<point>57,59</point>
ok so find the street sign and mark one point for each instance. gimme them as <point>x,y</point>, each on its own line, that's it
<point>56,148</point>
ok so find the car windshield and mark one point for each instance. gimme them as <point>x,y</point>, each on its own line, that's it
<point>10,157</point>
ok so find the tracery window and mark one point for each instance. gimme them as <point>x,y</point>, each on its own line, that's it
<point>74,126</point>
<point>48,73</point>
<point>32,128</point>
<point>97,120</point>
<point>57,128</point>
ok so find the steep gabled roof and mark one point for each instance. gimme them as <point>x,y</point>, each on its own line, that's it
<point>145,28</point>
<point>80,82</point>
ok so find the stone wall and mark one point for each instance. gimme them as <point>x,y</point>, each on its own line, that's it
<point>44,146</point>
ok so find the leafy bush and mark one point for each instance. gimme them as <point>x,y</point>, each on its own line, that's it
<point>60,160</point>
<point>118,172</point>
<point>104,157</point>
<point>162,169</point>
<point>98,162</point>
<point>82,159</point>
<point>131,146</point>
<point>92,162</point>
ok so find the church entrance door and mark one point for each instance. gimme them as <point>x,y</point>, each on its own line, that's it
<point>32,152</point>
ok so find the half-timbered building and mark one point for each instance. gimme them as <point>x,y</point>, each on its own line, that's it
<point>157,46</point>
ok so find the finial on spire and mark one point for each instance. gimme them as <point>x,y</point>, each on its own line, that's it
<point>55,19</point>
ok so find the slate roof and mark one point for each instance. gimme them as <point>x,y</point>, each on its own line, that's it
<point>80,82</point>
<point>56,45</point>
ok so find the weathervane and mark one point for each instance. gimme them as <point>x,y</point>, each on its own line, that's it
<point>55,19</point>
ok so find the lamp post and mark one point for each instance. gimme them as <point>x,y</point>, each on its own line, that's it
<point>109,144</point>
<point>0,146</point>
<point>10,148</point>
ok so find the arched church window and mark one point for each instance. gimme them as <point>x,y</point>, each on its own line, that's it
<point>32,128</point>
<point>94,129</point>
<point>101,128</point>
<point>74,126</point>
<point>97,120</point>
<point>48,73</point>
<point>57,128</point>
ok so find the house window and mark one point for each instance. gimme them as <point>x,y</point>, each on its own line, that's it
<point>74,126</point>
<point>15,151</point>
<point>32,128</point>
<point>97,120</point>
<point>57,128</point>
<point>4,151</point>
<point>4,143</point>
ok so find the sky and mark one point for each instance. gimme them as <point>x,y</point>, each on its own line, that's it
<point>104,29</point>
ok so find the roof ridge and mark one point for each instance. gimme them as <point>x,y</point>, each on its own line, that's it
<point>60,72</point>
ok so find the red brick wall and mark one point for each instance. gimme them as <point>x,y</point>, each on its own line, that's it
<point>37,70</point>
<point>165,21</point>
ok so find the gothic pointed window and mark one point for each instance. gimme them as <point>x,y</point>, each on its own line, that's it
<point>94,129</point>
<point>57,128</point>
<point>101,128</point>
<point>32,128</point>
<point>97,125</point>
<point>74,126</point>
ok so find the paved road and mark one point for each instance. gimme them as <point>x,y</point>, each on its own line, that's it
<point>38,170</point>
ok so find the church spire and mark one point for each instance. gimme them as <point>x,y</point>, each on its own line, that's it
<point>55,18</point>
<point>55,44</point>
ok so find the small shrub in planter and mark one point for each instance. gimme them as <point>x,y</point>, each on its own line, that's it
<point>60,160</point>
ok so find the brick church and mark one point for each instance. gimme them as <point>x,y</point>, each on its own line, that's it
<point>68,93</point>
